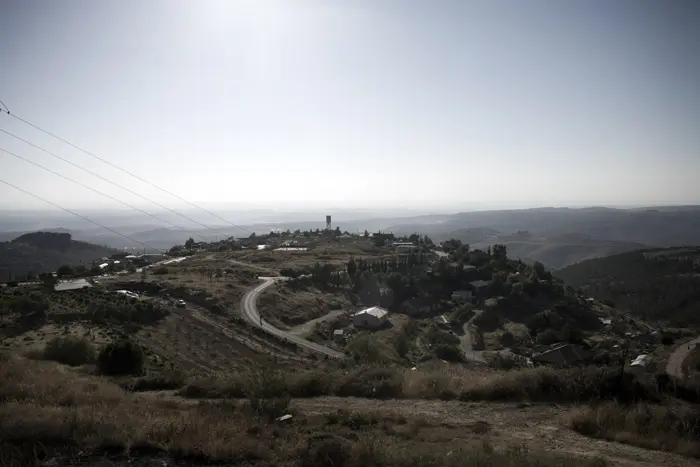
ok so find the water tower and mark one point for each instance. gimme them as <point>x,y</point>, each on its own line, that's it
<point>328,222</point>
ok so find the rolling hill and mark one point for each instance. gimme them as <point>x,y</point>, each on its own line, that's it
<point>659,284</point>
<point>559,251</point>
<point>556,237</point>
<point>43,252</point>
<point>668,226</point>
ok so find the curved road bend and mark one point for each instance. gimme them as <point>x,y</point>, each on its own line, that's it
<point>675,361</point>
<point>250,313</point>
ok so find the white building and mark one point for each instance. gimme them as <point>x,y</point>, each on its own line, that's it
<point>76,284</point>
<point>639,364</point>
<point>373,317</point>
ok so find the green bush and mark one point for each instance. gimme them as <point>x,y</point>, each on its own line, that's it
<point>437,336</point>
<point>449,352</point>
<point>69,350</point>
<point>547,337</point>
<point>508,362</point>
<point>507,339</point>
<point>121,358</point>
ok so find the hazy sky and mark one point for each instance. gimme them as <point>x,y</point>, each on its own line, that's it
<point>406,103</point>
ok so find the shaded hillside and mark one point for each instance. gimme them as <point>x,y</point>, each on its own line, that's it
<point>558,252</point>
<point>666,226</point>
<point>43,252</point>
<point>661,284</point>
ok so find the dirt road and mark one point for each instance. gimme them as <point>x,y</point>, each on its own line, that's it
<point>467,345</point>
<point>250,312</point>
<point>675,361</point>
<point>308,327</point>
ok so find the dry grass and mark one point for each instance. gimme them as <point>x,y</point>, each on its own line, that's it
<point>34,340</point>
<point>49,404</point>
<point>445,382</point>
<point>286,308</point>
<point>197,342</point>
<point>675,429</point>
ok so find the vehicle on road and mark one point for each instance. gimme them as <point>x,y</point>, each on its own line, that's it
<point>180,304</point>
<point>128,293</point>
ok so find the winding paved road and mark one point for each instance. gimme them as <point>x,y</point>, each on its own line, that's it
<point>675,361</point>
<point>250,312</point>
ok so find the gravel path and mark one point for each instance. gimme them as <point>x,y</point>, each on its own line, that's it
<point>675,361</point>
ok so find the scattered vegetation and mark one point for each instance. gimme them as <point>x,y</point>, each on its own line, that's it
<point>581,385</point>
<point>50,415</point>
<point>659,284</point>
<point>657,427</point>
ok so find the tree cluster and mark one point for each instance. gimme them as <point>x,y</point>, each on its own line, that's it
<point>655,284</point>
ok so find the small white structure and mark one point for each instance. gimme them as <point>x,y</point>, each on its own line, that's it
<point>373,317</point>
<point>76,284</point>
<point>639,364</point>
<point>461,295</point>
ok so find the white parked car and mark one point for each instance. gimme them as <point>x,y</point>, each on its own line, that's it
<point>128,293</point>
<point>181,304</point>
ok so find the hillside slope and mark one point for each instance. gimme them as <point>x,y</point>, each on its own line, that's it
<point>558,251</point>
<point>662,227</point>
<point>43,252</point>
<point>661,284</point>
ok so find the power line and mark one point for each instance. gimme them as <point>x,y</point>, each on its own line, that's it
<point>109,181</point>
<point>99,192</point>
<point>78,215</point>
<point>37,127</point>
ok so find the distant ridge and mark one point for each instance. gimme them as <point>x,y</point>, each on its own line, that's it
<point>39,252</point>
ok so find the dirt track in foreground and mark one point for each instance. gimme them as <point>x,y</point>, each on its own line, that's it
<point>537,426</point>
<point>451,424</point>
